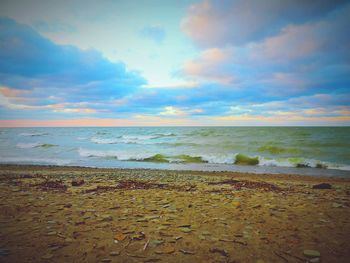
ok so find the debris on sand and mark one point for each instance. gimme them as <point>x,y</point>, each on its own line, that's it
<point>57,185</point>
<point>238,185</point>
<point>229,181</point>
<point>130,184</point>
<point>78,182</point>
<point>322,186</point>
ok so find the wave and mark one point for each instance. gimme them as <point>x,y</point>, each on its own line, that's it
<point>33,134</point>
<point>242,159</point>
<point>101,133</point>
<point>122,156</point>
<point>202,133</point>
<point>141,157</point>
<point>105,141</point>
<point>276,149</point>
<point>230,159</point>
<point>34,145</point>
<point>300,162</point>
<point>92,153</point>
<point>120,140</point>
<point>129,139</point>
<point>167,134</point>
<point>177,144</point>
<point>140,137</point>
<point>182,158</point>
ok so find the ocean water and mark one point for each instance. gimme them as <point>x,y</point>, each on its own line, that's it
<point>298,150</point>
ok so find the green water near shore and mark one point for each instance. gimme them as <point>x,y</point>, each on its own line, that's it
<point>300,147</point>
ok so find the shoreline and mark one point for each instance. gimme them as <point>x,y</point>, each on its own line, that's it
<point>247,175</point>
<point>235,169</point>
<point>79,214</point>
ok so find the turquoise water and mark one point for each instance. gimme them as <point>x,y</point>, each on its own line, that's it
<point>257,149</point>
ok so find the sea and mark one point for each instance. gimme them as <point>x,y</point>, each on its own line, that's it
<point>322,151</point>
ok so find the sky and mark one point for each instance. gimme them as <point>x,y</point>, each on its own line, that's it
<point>164,62</point>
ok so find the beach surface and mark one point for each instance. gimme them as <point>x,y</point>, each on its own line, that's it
<point>74,214</point>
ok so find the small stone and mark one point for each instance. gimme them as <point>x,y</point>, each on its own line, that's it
<point>236,203</point>
<point>185,225</point>
<point>52,233</point>
<point>337,205</point>
<point>166,250</point>
<point>314,260</point>
<point>120,237</point>
<point>138,236</point>
<point>114,253</point>
<point>55,248</point>
<point>311,253</point>
<point>142,220</point>
<point>201,237</point>
<point>185,230</point>
<point>47,256</point>
<point>106,218</point>
<point>186,252</point>
<point>79,223</point>
<point>156,242</point>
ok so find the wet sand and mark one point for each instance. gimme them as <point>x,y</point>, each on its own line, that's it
<point>72,214</point>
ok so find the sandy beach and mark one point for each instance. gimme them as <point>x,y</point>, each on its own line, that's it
<point>72,214</point>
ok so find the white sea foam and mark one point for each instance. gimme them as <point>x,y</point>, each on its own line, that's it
<point>27,160</point>
<point>94,153</point>
<point>125,139</point>
<point>274,163</point>
<point>139,137</point>
<point>122,156</point>
<point>27,145</point>
<point>343,167</point>
<point>104,141</point>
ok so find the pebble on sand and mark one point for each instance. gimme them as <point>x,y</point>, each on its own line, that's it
<point>312,253</point>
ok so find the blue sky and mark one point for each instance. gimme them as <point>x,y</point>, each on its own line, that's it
<point>174,62</point>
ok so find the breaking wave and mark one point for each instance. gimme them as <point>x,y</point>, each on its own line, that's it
<point>130,139</point>
<point>234,159</point>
